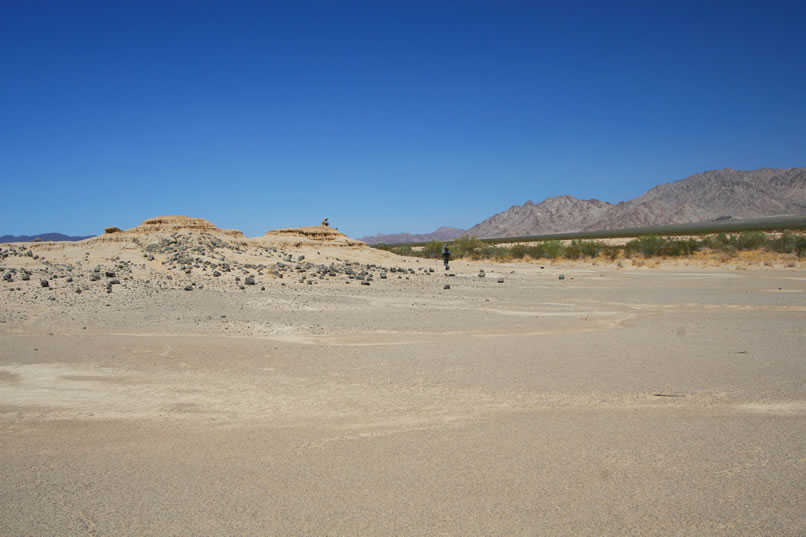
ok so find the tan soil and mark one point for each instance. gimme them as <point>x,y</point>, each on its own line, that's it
<point>616,401</point>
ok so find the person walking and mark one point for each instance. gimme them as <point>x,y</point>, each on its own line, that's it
<point>446,256</point>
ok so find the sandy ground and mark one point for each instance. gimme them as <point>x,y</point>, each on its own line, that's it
<point>633,401</point>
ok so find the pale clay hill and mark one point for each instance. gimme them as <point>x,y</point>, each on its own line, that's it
<point>180,252</point>
<point>698,198</point>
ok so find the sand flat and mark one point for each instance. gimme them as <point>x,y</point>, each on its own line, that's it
<point>668,401</point>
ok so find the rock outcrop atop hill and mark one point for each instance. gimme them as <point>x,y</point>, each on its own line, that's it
<point>180,223</point>
<point>166,225</point>
<point>307,236</point>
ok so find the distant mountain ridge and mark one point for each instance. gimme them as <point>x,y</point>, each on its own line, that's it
<point>43,236</point>
<point>710,195</point>
<point>554,215</point>
<point>701,197</point>
<point>443,233</point>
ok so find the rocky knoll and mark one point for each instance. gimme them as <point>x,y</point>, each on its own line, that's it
<point>307,236</point>
<point>168,224</point>
<point>179,253</point>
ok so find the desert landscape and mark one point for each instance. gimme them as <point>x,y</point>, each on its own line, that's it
<point>181,379</point>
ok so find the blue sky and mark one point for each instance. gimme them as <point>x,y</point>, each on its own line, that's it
<point>383,116</point>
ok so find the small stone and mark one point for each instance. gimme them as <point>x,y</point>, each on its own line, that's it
<point>562,276</point>
<point>365,282</point>
<point>446,286</point>
<point>250,280</point>
<point>44,283</point>
<point>188,288</point>
<point>500,280</point>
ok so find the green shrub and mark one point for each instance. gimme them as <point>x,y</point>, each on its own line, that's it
<point>789,243</point>
<point>466,246</point>
<point>519,251</point>
<point>678,247</point>
<point>648,246</point>
<point>751,240</point>
<point>589,248</point>
<point>433,249</point>
<point>611,252</point>
<point>403,249</point>
<point>552,249</point>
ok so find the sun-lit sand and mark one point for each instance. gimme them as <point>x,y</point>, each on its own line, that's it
<point>615,401</point>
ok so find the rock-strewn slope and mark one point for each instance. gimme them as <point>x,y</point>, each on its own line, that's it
<point>182,253</point>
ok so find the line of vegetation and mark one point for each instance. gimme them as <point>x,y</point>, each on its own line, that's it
<point>730,225</point>
<point>645,246</point>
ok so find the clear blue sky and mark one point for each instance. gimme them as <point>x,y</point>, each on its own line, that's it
<point>385,116</point>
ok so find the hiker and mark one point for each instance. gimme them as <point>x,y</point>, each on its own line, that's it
<point>325,223</point>
<point>446,256</point>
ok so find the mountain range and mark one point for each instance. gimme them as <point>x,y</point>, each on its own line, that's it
<point>42,237</point>
<point>710,195</point>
